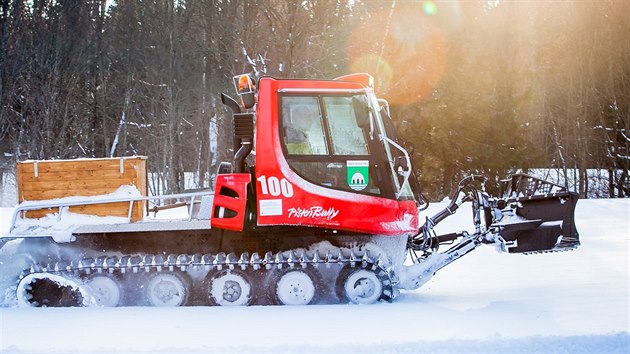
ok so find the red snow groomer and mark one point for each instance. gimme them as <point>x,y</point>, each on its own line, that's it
<point>319,205</point>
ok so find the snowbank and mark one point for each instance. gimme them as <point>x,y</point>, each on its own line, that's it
<point>572,302</point>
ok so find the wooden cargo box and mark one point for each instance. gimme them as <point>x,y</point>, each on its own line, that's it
<point>52,179</point>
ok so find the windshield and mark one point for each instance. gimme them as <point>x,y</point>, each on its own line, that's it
<point>338,140</point>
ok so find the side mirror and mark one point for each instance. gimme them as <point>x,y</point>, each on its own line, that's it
<point>361,111</point>
<point>385,113</point>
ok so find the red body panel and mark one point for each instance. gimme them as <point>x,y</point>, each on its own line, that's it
<point>230,201</point>
<point>285,198</point>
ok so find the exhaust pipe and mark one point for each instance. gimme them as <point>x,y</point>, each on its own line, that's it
<point>241,154</point>
<point>243,124</point>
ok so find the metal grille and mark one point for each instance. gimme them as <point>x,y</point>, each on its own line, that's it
<point>523,185</point>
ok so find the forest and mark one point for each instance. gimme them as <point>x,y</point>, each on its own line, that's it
<point>483,87</point>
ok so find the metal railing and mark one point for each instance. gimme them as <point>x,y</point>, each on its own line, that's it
<point>61,205</point>
<point>523,185</point>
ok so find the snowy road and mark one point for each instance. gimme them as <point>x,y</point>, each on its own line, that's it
<point>486,302</point>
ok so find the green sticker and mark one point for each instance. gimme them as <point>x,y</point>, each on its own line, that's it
<point>358,174</point>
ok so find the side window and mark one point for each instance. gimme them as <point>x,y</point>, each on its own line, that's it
<point>302,126</point>
<point>347,137</point>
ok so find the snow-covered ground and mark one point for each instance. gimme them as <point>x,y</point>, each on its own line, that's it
<point>485,302</point>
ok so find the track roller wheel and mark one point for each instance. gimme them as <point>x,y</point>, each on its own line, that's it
<point>167,289</point>
<point>229,288</point>
<point>296,287</point>
<point>49,290</point>
<point>361,285</point>
<point>105,289</point>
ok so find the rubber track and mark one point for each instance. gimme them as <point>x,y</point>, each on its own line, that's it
<point>220,261</point>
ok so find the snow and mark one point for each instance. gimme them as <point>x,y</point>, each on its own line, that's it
<point>60,225</point>
<point>123,192</point>
<point>572,302</point>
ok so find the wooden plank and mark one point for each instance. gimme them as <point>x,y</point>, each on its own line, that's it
<point>55,194</point>
<point>110,209</point>
<point>88,170</point>
<point>113,209</point>
<point>79,175</point>
<point>44,167</point>
<point>36,214</point>
<point>83,177</point>
<point>142,181</point>
<point>74,186</point>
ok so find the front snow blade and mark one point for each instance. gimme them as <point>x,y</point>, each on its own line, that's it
<point>542,217</point>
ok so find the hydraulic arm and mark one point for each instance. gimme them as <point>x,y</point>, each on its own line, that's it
<point>530,216</point>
